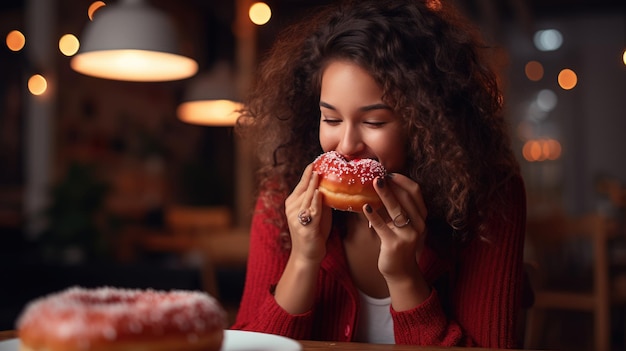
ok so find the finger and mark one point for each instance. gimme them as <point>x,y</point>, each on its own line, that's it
<point>410,197</point>
<point>304,182</point>
<point>316,203</point>
<point>312,184</point>
<point>388,197</point>
<point>400,205</point>
<point>412,188</point>
<point>409,213</point>
<point>377,222</point>
<point>294,202</point>
<point>311,198</point>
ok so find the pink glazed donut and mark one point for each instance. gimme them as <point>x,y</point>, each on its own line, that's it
<point>112,319</point>
<point>347,184</point>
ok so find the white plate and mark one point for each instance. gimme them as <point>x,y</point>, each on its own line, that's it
<point>234,340</point>
<point>238,340</point>
<point>10,345</point>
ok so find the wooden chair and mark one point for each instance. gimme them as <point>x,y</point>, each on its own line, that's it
<point>197,220</point>
<point>202,235</point>
<point>545,237</point>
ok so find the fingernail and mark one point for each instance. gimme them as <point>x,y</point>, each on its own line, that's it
<point>368,208</point>
<point>390,175</point>
<point>380,182</point>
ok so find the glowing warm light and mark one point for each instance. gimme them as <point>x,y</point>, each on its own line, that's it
<point>548,39</point>
<point>538,150</point>
<point>209,112</point>
<point>131,41</point>
<point>15,40</point>
<point>567,79</point>
<point>69,44</point>
<point>95,6</point>
<point>554,149</point>
<point>37,84</point>
<point>260,13</point>
<point>534,71</point>
<point>434,5</point>
<point>532,151</point>
<point>624,57</point>
<point>134,65</point>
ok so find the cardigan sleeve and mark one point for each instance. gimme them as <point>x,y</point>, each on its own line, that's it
<point>258,310</point>
<point>486,291</point>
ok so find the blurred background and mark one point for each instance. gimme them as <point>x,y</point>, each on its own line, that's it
<point>116,180</point>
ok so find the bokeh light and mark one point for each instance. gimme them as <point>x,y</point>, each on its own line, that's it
<point>434,5</point>
<point>548,40</point>
<point>260,13</point>
<point>567,79</point>
<point>37,84</point>
<point>534,71</point>
<point>15,40</point>
<point>69,44</point>
<point>95,6</point>
<point>539,150</point>
<point>546,100</point>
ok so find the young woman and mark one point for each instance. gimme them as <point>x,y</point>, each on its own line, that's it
<point>402,82</point>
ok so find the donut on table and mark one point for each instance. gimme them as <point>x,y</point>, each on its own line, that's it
<point>347,184</point>
<point>115,319</point>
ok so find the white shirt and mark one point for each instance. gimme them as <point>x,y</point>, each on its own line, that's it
<point>375,325</point>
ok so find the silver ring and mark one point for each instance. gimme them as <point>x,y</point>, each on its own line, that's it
<point>400,225</point>
<point>304,217</point>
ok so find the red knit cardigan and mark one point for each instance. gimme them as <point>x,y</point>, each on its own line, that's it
<point>482,301</point>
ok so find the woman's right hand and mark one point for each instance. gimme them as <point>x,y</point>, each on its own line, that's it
<point>295,291</point>
<point>308,241</point>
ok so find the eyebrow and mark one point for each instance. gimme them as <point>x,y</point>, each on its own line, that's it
<point>380,106</point>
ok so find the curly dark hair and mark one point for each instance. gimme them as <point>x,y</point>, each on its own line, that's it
<point>429,62</point>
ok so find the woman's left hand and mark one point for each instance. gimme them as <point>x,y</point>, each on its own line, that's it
<point>400,224</point>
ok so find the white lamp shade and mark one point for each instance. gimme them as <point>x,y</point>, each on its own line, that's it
<point>134,42</point>
<point>211,98</point>
<point>209,112</point>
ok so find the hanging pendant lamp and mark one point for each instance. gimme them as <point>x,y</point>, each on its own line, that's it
<point>132,41</point>
<point>211,98</point>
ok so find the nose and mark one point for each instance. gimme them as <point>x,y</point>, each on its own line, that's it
<point>351,143</point>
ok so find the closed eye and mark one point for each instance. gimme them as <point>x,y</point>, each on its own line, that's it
<point>375,124</point>
<point>331,121</point>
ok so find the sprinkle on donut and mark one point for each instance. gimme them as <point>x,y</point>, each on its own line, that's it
<point>364,170</point>
<point>347,185</point>
<point>82,317</point>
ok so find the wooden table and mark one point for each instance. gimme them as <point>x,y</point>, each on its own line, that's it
<point>308,345</point>
<point>7,334</point>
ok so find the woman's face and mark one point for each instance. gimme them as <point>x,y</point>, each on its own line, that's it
<point>354,120</point>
